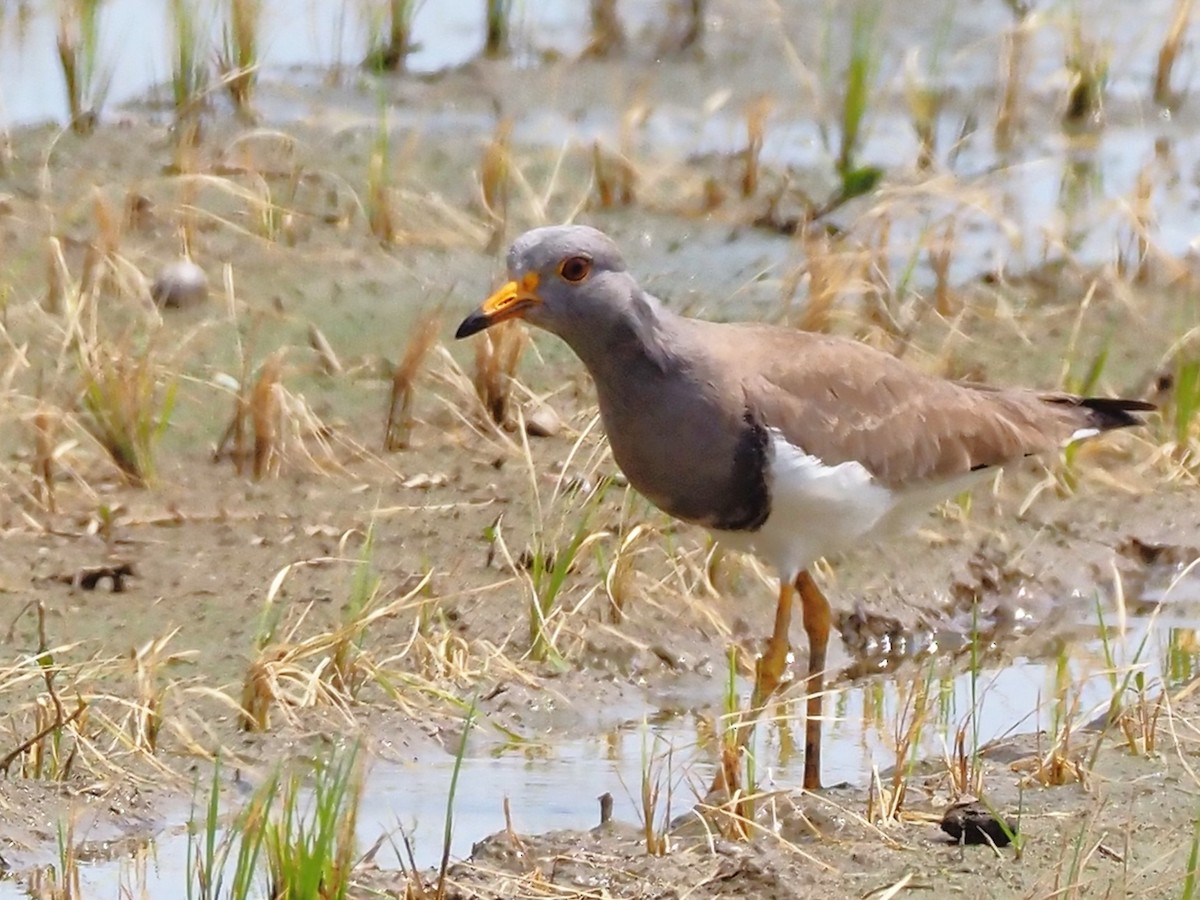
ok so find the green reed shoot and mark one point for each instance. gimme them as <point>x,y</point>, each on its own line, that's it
<point>86,78</point>
<point>238,55</point>
<point>70,887</point>
<point>390,41</point>
<point>859,86</point>
<point>1185,401</point>
<point>364,591</point>
<point>1120,683</point>
<point>497,22</point>
<point>1087,64</point>
<point>210,846</point>
<point>310,839</point>
<point>448,830</point>
<point>189,65</point>
<point>126,409</point>
<point>1189,881</point>
<point>548,570</point>
<point>655,772</point>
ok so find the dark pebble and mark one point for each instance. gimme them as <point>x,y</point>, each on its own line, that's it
<point>971,823</point>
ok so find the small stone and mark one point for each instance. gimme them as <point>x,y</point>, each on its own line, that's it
<point>971,823</point>
<point>542,421</point>
<point>424,481</point>
<point>180,284</point>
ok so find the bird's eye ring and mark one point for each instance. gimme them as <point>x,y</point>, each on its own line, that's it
<point>575,268</point>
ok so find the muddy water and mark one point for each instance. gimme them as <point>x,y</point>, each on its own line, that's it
<point>1051,193</point>
<point>297,35</point>
<point>556,785</point>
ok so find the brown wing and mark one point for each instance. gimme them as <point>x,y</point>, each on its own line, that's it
<point>841,400</point>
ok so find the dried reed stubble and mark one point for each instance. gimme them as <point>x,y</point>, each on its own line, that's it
<point>399,419</point>
<point>614,177</point>
<point>266,413</point>
<point>1169,53</point>
<point>607,35</point>
<point>496,360</point>
<point>756,125</point>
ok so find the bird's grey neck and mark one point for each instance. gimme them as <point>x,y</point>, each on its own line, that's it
<point>635,340</point>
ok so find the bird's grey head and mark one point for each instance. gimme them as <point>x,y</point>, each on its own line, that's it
<point>570,280</point>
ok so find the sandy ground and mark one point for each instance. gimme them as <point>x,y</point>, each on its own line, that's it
<point>276,218</point>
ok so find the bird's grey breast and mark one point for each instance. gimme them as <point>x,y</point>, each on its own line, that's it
<point>697,454</point>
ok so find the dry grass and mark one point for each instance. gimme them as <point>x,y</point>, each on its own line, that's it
<point>497,355</point>
<point>607,36</point>
<point>238,57</point>
<point>756,125</point>
<point>615,179</point>
<point>495,179</point>
<point>1168,54</point>
<point>397,430</point>
<point>1009,115</point>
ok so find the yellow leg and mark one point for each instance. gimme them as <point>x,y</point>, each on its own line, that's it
<point>768,675</point>
<point>818,620</point>
<point>772,665</point>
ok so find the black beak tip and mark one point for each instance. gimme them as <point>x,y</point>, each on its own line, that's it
<point>472,324</point>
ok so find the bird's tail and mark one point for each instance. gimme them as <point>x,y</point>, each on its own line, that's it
<point>1105,413</point>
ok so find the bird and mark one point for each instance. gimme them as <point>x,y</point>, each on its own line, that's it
<point>787,444</point>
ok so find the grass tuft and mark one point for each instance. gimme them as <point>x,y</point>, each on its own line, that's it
<point>397,431</point>
<point>390,40</point>
<point>85,76</point>
<point>1168,54</point>
<point>126,406</point>
<point>238,56</point>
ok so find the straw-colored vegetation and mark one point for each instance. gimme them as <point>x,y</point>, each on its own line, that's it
<point>218,575</point>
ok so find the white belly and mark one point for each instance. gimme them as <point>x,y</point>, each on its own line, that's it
<point>819,510</point>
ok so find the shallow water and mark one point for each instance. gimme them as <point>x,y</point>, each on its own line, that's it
<point>1053,193</point>
<point>556,784</point>
<point>136,35</point>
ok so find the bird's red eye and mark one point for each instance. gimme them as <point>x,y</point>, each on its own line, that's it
<point>575,268</point>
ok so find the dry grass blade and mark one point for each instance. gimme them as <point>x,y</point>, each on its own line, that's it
<point>941,252</point>
<point>614,177</point>
<point>831,271</point>
<point>266,413</point>
<point>756,125</point>
<point>1008,117</point>
<point>326,669</point>
<point>1169,53</point>
<point>330,364</point>
<point>399,420</point>
<point>495,179</point>
<point>61,291</point>
<point>496,359</point>
<point>380,215</point>
<point>45,425</point>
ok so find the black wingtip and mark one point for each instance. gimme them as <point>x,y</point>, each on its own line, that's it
<point>1108,413</point>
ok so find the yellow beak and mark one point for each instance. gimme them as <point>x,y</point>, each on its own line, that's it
<point>508,302</point>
